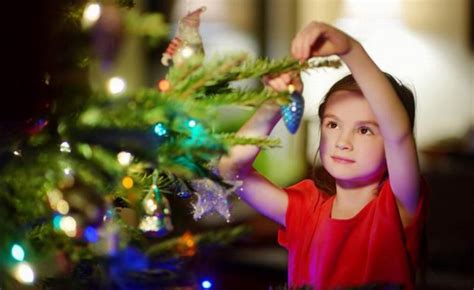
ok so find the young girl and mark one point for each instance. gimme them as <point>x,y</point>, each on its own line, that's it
<point>369,231</point>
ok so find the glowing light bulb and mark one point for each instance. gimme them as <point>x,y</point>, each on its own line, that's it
<point>69,226</point>
<point>65,147</point>
<point>24,273</point>
<point>116,85</point>
<point>62,207</point>
<point>17,152</point>
<point>164,85</point>
<point>91,234</point>
<point>187,52</point>
<point>91,14</point>
<point>18,253</point>
<point>206,284</point>
<point>67,171</point>
<point>192,123</point>
<point>160,129</point>
<point>57,222</point>
<point>127,182</point>
<point>124,158</point>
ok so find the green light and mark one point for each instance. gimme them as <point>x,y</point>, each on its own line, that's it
<point>18,253</point>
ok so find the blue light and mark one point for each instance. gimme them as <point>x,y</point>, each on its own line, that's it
<point>206,284</point>
<point>160,129</point>
<point>18,253</point>
<point>192,123</point>
<point>91,234</point>
<point>57,221</point>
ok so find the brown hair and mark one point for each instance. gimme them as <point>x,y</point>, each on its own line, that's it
<point>322,178</point>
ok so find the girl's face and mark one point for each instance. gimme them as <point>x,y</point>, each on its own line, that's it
<point>351,147</point>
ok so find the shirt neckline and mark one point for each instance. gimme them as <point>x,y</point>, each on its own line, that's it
<point>357,216</point>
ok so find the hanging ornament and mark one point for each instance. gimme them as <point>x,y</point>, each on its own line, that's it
<point>187,41</point>
<point>292,113</point>
<point>157,219</point>
<point>212,196</point>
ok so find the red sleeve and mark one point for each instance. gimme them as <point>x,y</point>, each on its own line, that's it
<point>302,199</point>
<point>413,232</point>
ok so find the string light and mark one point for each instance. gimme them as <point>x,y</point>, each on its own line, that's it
<point>206,284</point>
<point>160,129</point>
<point>65,147</point>
<point>124,158</point>
<point>164,85</point>
<point>18,253</point>
<point>57,222</point>
<point>127,182</point>
<point>192,123</point>
<point>24,273</point>
<point>69,226</point>
<point>187,52</point>
<point>116,85</point>
<point>62,207</point>
<point>91,14</point>
<point>91,234</point>
<point>67,171</point>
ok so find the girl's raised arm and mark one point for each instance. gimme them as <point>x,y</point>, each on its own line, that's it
<point>319,39</point>
<point>259,192</point>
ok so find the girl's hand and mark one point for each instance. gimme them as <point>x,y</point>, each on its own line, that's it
<point>320,39</point>
<point>281,82</point>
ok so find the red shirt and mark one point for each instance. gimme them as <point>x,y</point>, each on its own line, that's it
<point>370,248</point>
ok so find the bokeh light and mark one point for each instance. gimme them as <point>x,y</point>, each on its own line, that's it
<point>127,182</point>
<point>116,85</point>
<point>18,253</point>
<point>124,158</point>
<point>91,14</point>
<point>24,273</point>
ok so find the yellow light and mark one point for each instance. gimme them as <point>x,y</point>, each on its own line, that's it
<point>127,182</point>
<point>69,226</point>
<point>17,152</point>
<point>62,207</point>
<point>91,14</point>
<point>124,158</point>
<point>164,85</point>
<point>54,196</point>
<point>187,52</point>
<point>116,85</point>
<point>24,273</point>
<point>149,223</point>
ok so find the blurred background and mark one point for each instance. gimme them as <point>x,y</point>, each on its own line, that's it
<point>427,44</point>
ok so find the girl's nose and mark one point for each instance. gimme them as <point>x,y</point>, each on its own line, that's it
<point>343,143</point>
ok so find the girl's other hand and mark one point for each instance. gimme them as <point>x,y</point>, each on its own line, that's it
<point>320,39</point>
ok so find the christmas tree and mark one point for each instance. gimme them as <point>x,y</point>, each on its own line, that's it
<point>87,181</point>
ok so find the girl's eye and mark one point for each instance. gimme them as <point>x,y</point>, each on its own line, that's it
<point>331,125</point>
<point>365,131</point>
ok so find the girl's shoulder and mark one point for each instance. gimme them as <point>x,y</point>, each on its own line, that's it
<point>306,190</point>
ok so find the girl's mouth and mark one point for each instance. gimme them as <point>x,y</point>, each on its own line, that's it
<point>342,160</point>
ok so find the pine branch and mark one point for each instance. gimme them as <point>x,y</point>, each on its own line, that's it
<point>220,237</point>
<point>232,139</point>
<point>238,96</point>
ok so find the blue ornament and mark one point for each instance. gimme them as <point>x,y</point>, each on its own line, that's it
<point>293,112</point>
